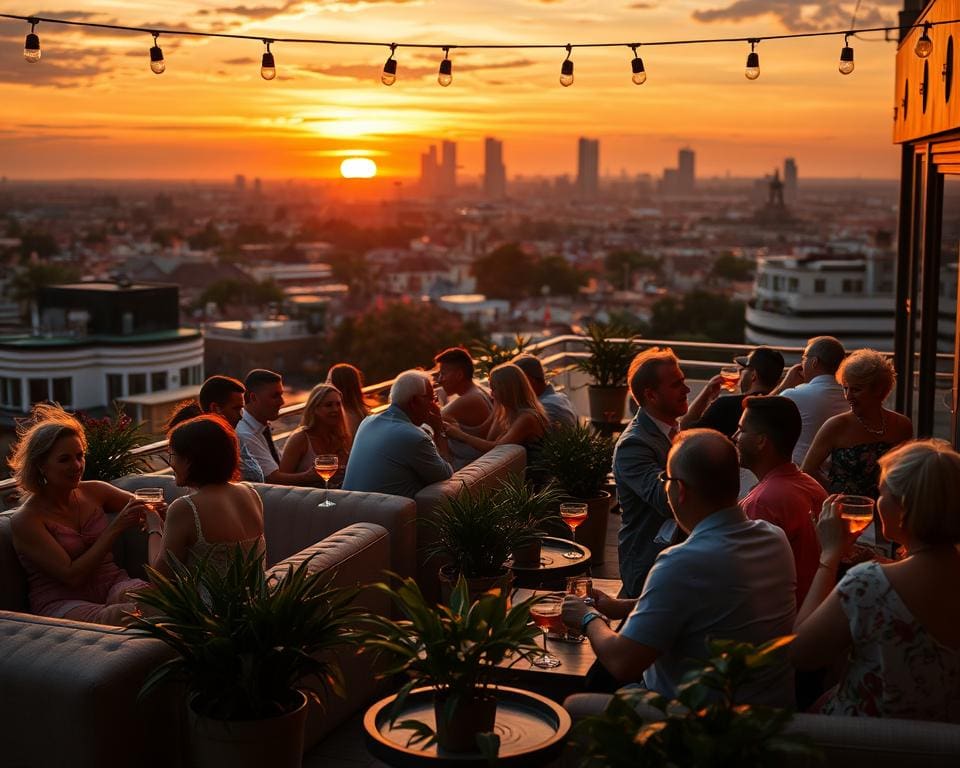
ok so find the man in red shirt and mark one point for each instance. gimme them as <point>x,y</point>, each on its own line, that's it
<point>785,496</point>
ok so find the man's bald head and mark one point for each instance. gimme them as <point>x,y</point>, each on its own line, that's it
<point>707,463</point>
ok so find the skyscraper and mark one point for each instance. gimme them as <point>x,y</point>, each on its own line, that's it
<point>790,179</point>
<point>494,171</point>
<point>429,172</point>
<point>588,167</point>
<point>685,171</point>
<point>448,168</point>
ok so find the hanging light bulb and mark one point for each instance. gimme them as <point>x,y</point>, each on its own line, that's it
<point>268,67</point>
<point>157,65</point>
<point>752,71</point>
<point>924,44</point>
<point>389,74</point>
<point>639,76</point>
<point>566,69</point>
<point>445,76</point>
<point>846,57</point>
<point>31,47</point>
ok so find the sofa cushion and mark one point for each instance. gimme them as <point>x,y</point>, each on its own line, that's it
<point>13,579</point>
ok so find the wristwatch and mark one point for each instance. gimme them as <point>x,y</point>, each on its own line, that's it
<point>588,617</point>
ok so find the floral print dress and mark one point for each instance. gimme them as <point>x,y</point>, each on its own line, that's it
<point>854,469</point>
<point>895,668</point>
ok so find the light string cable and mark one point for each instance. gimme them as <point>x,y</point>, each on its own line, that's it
<point>32,48</point>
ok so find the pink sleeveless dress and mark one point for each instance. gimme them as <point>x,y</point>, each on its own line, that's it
<point>107,585</point>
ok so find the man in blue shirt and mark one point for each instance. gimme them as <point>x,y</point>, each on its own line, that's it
<point>732,579</point>
<point>391,453</point>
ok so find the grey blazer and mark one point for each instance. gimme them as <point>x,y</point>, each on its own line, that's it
<point>647,525</point>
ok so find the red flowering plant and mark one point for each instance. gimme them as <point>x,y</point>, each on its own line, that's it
<point>110,444</point>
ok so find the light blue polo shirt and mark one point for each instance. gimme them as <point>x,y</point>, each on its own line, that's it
<point>734,579</point>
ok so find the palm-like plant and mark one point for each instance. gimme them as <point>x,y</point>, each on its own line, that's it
<point>489,354</point>
<point>532,509</point>
<point>577,458</point>
<point>246,641</point>
<point>609,360</point>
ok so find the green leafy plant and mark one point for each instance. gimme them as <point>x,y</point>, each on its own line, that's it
<point>488,354</point>
<point>608,360</point>
<point>533,510</point>
<point>110,444</point>
<point>246,641</point>
<point>577,458</point>
<point>704,726</point>
<point>454,649</point>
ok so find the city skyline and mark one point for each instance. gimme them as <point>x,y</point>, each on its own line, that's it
<point>92,109</point>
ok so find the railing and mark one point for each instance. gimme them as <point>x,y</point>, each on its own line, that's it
<point>558,355</point>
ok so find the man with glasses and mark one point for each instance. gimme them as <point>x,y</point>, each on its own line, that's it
<point>659,387</point>
<point>727,580</point>
<point>391,453</point>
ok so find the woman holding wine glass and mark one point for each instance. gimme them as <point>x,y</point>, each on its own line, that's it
<point>322,432</point>
<point>892,620</point>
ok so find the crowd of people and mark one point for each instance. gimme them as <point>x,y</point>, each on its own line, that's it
<point>731,510</point>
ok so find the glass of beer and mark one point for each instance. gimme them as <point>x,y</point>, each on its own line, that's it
<point>546,615</point>
<point>731,377</point>
<point>856,512</point>
<point>151,497</point>
<point>326,465</point>
<point>573,514</point>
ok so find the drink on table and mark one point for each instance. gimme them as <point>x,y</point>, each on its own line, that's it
<point>731,377</point>
<point>546,615</point>
<point>856,512</point>
<point>573,514</point>
<point>326,465</point>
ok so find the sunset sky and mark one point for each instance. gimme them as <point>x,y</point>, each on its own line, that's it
<point>92,109</point>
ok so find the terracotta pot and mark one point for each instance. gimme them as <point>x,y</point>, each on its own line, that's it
<point>607,404</point>
<point>471,715</point>
<point>528,555</point>
<point>274,741</point>
<point>476,587</point>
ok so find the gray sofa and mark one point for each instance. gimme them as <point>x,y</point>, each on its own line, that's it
<point>68,690</point>
<point>846,742</point>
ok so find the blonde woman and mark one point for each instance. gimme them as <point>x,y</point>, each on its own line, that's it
<point>854,441</point>
<point>61,532</point>
<point>349,380</point>
<point>323,429</point>
<point>893,621</point>
<point>517,418</point>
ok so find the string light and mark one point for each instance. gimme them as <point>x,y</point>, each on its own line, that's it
<point>924,44</point>
<point>846,57</point>
<point>389,74</point>
<point>268,67</point>
<point>639,76</point>
<point>566,69</point>
<point>31,47</point>
<point>157,65</point>
<point>445,75</point>
<point>752,71</point>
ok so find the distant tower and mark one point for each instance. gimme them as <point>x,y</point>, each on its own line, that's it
<point>776,191</point>
<point>257,186</point>
<point>685,171</point>
<point>494,171</point>
<point>240,182</point>
<point>448,168</point>
<point>790,179</point>
<point>429,171</point>
<point>588,167</point>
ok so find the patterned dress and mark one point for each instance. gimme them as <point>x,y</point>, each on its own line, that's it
<point>895,668</point>
<point>854,469</point>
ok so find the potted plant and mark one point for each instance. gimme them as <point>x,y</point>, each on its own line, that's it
<point>247,644</point>
<point>474,535</point>
<point>488,354</point>
<point>704,726</point>
<point>578,459</point>
<point>607,365</point>
<point>110,444</point>
<point>453,650</point>
<point>534,510</point>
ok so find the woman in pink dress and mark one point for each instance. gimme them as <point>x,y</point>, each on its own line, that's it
<point>61,532</point>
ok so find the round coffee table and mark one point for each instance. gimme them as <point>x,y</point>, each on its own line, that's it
<point>554,568</point>
<point>532,731</point>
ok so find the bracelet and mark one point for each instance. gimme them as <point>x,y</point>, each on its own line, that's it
<point>829,567</point>
<point>154,533</point>
<point>588,617</point>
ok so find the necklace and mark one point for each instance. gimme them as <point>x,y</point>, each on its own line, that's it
<point>883,423</point>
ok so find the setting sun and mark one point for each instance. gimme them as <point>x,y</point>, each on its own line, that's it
<point>358,168</point>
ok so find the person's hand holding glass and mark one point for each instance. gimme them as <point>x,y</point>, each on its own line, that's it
<point>326,465</point>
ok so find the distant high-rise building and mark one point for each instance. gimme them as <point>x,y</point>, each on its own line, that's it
<point>790,179</point>
<point>429,172</point>
<point>240,182</point>
<point>685,171</point>
<point>588,167</point>
<point>494,171</point>
<point>448,168</point>
<point>257,186</point>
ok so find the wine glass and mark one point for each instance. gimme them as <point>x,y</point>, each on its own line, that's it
<point>856,512</point>
<point>546,615</point>
<point>326,465</point>
<point>573,513</point>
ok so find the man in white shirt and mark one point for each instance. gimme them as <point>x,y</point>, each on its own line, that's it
<point>812,384</point>
<point>262,402</point>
